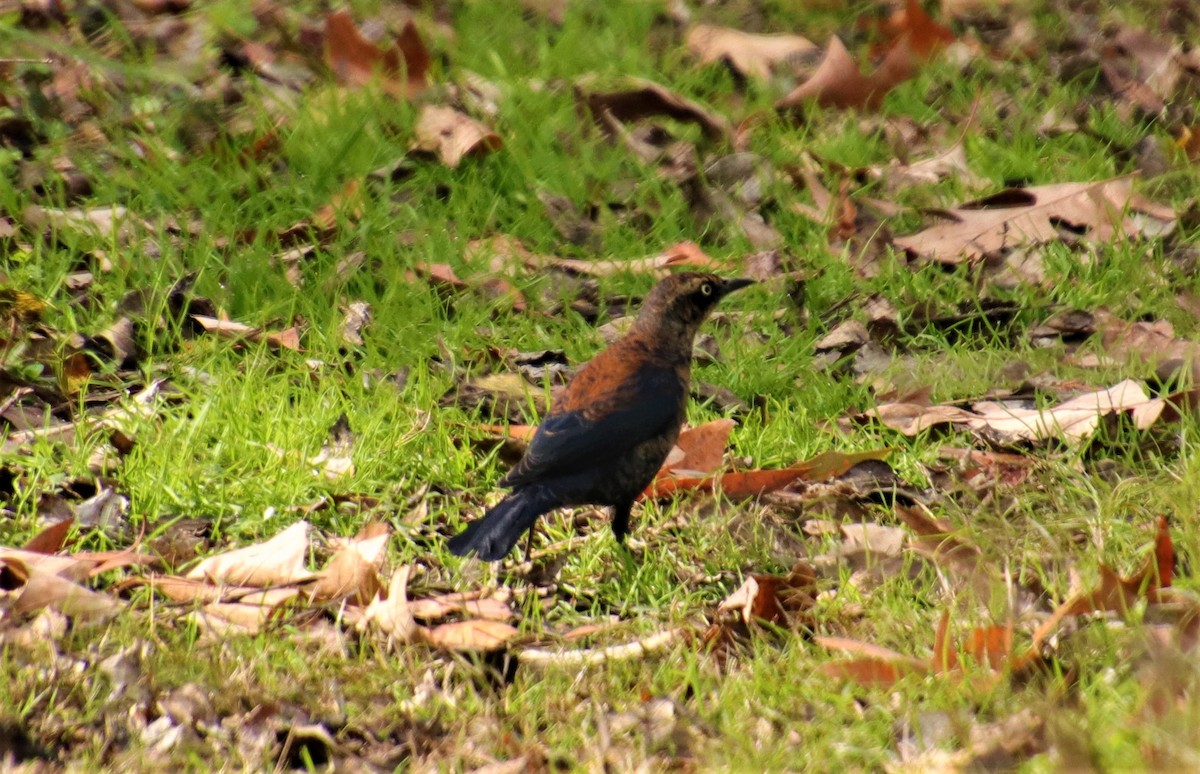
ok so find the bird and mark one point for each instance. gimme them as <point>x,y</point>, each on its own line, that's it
<point>608,434</point>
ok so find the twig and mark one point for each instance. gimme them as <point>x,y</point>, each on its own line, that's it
<point>593,656</point>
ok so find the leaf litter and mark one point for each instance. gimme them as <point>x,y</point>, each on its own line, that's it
<point>840,520</point>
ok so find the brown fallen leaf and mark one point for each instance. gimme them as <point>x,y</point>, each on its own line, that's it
<point>189,590</point>
<point>480,635</point>
<point>472,605</point>
<point>352,571</point>
<point>701,449</point>
<point>277,561</point>
<point>285,339</point>
<point>839,83</point>
<point>924,35</point>
<point>873,665</point>
<point>740,485</point>
<point>774,599</point>
<point>112,223</point>
<point>1116,593</point>
<point>452,135</point>
<point>643,99</point>
<point>390,614</point>
<point>1142,69</point>
<point>747,54</point>
<point>403,70</point>
<point>1017,217</point>
<point>41,588</point>
<point>51,539</point>
<point>683,254</point>
<point>1072,420</point>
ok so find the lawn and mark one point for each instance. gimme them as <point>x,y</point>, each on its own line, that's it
<point>248,280</point>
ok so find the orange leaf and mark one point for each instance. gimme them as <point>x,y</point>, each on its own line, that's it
<point>925,35</point>
<point>1164,554</point>
<point>356,60</point>
<point>51,539</point>
<point>945,658</point>
<point>991,645</point>
<point>839,83</point>
<point>874,672</point>
<point>519,432</point>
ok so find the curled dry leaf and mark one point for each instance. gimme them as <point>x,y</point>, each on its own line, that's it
<point>592,656</point>
<point>391,615</point>
<point>277,561</point>
<point>403,70</point>
<point>747,54</point>
<point>452,135</point>
<point>644,99</point>
<point>352,571</point>
<point>1072,420</point>
<point>1019,217</point>
<point>285,339</point>
<point>774,599</point>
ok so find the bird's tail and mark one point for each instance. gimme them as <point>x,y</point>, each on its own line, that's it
<point>494,535</point>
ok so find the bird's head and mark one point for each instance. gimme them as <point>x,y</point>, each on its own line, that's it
<point>679,303</point>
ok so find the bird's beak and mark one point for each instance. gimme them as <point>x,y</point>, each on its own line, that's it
<point>735,283</point>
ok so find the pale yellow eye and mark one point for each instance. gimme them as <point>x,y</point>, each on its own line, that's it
<point>706,289</point>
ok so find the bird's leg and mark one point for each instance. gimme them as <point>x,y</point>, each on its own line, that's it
<point>529,541</point>
<point>620,520</point>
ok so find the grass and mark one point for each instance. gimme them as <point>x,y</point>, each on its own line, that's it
<point>234,449</point>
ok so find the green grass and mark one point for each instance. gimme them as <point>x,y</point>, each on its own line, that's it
<point>234,447</point>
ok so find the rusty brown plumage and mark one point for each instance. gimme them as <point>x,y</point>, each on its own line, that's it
<point>608,435</point>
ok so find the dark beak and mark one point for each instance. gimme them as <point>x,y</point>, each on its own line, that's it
<point>735,283</point>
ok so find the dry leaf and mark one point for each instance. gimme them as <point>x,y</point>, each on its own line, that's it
<point>739,485</point>
<point>839,83</point>
<point>683,254</point>
<point>356,61</point>
<point>391,614</point>
<point>279,560</point>
<point>1020,217</point>
<point>43,589</point>
<point>645,99</point>
<point>747,54</point>
<point>51,539</point>
<point>352,571</point>
<point>911,22</point>
<point>287,339</point>
<point>950,163</point>
<point>470,635</point>
<point>452,135</point>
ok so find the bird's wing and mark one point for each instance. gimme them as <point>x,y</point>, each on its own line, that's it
<point>636,410</point>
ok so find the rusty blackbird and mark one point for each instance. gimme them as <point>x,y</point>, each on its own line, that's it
<point>607,436</point>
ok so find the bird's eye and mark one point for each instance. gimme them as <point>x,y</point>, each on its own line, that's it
<point>706,289</point>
